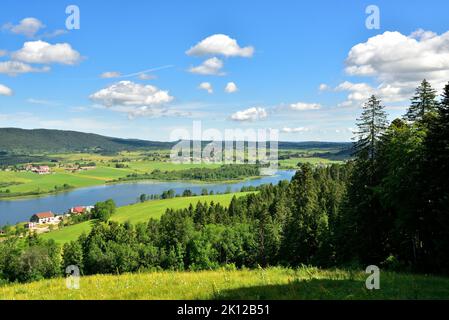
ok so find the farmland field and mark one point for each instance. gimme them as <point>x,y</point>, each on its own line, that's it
<point>136,213</point>
<point>271,283</point>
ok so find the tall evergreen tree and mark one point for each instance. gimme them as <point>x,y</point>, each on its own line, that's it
<point>423,101</point>
<point>362,231</point>
<point>371,125</point>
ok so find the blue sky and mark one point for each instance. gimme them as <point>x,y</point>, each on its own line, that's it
<point>285,51</point>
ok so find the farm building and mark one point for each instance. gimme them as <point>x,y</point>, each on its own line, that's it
<point>80,210</point>
<point>44,217</point>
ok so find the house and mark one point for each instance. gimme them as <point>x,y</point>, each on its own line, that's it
<point>77,210</point>
<point>44,217</point>
<point>41,169</point>
<point>81,210</point>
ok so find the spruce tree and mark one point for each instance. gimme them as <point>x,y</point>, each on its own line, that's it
<point>371,125</point>
<point>423,101</point>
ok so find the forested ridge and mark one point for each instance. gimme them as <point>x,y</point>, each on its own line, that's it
<point>388,207</point>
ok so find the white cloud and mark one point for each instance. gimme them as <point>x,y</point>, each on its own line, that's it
<point>301,106</point>
<point>5,91</point>
<point>220,44</point>
<point>27,27</point>
<point>3,53</point>
<point>134,99</point>
<point>294,130</point>
<point>251,114</point>
<point>399,62</point>
<point>110,74</point>
<point>323,87</point>
<point>44,52</point>
<point>146,76</point>
<point>128,93</point>
<point>13,68</point>
<point>211,66</point>
<point>360,92</point>
<point>206,86</point>
<point>231,87</point>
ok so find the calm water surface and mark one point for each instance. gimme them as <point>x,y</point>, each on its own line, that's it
<point>14,211</point>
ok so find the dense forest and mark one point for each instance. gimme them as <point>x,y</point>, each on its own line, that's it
<point>388,207</point>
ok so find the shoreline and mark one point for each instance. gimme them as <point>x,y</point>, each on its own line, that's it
<point>112,182</point>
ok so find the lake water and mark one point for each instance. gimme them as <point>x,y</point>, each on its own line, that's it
<point>14,211</point>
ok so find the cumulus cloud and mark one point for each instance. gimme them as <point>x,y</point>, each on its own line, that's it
<point>128,93</point>
<point>5,91</point>
<point>231,87</point>
<point>46,53</point>
<point>3,53</point>
<point>294,130</point>
<point>323,87</point>
<point>110,74</point>
<point>206,86</point>
<point>399,62</point>
<point>301,106</point>
<point>27,27</point>
<point>220,44</point>
<point>134,99</point>
<point>251,114</point>
<point>360,92</point>
<point>211,66</point>
<point>12,68</point>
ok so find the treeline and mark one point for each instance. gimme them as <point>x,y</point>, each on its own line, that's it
<point>224,172</point>
<point>261,229</point>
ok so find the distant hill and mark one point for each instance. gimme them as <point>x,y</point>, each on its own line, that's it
<point>44,140</point>
<point>23,141</point>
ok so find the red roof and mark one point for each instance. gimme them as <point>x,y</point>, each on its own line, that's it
<point>78,209</point>
<point>42,215</point>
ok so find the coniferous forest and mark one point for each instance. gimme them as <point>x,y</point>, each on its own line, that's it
<point>389,206</point>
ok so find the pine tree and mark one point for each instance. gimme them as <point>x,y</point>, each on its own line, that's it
<point>424,101</point>
<point>363,222</point>
<point>371,124</point>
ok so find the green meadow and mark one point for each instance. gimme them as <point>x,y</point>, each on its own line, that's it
<point>140,212</point>
<point>260,284</point>
<point>293,162</point>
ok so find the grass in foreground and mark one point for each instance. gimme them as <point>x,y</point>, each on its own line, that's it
<point>140,212</point>
<point>272,283</point>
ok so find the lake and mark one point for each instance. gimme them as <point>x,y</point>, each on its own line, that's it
<point>14,211</point>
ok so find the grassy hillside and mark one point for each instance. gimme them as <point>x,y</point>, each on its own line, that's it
<point>37,140</point>
<point>272,283</point>
<point>140,212</point>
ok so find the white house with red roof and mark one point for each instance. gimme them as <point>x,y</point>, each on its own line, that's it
<point>44,217</point>
<point>80,210</point>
